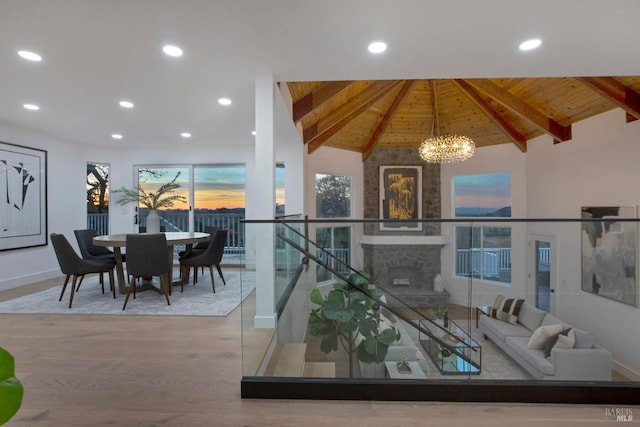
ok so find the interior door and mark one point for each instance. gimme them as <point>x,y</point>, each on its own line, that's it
<point>542,271</point>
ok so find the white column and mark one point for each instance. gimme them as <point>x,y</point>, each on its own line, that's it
<point>264,203</point>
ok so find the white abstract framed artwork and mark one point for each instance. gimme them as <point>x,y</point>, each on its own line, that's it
<point>23,197</point>
<point>609,239</point>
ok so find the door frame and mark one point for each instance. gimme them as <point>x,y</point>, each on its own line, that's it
<point>531,268</point>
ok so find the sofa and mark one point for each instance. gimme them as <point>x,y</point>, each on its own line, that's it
<point>526,333</point>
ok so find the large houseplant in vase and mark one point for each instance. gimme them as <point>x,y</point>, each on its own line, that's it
<point>163,197</point>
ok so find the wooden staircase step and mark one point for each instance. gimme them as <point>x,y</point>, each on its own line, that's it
<point>319,370</point>
<point>287,360</point>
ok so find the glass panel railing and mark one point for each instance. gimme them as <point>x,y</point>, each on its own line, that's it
<point>458,301</point>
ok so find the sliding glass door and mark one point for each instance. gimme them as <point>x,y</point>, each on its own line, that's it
<point>219,200</point>
<point>213,195</point>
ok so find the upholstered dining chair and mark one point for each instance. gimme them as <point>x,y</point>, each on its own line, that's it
<point>211,256</point>
<point>199,248</point>
<point>92,252</point>
<point>72,265</point>
<point>147,256</point>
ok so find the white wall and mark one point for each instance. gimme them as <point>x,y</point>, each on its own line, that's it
<point>66,194</point>
<point>598,167</point>
<point>67,191</point>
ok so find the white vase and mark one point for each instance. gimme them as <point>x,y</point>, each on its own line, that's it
<point>438,283</point>
<point>153,222</point>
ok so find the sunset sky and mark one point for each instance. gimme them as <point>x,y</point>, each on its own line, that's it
<point>483,191</point>
<point>216,186</point>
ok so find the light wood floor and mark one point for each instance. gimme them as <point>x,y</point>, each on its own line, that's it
<point>86,370</point>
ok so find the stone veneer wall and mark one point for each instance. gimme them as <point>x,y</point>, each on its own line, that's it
<point>420,262</point>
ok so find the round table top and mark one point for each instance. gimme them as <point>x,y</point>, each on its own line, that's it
<point>173,238</point>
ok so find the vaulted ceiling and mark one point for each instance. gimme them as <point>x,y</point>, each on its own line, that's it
<point>362,115</point>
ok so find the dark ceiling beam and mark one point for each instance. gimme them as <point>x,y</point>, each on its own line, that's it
<point>521,108</point>
<point>320,132</point>
<point>310,102</point>
<point>516,137</point>
<point>386,119</point>
<point>616,92</point>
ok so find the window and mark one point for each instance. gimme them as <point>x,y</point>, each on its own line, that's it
<point>334,249</point>
<point>215,196</point>
<point>486,195</point>
<point>333,196</point>
<point>483,252</point>
<point>333,200</point>
<point>280,189</point>
<point>173,218</point>
<point>98,197</point>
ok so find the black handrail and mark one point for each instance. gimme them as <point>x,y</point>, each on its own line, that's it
<point>284,299</point>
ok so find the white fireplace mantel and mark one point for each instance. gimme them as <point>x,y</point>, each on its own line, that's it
<point>406,240</point>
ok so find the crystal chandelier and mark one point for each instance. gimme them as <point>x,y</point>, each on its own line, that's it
<point>445,148</point>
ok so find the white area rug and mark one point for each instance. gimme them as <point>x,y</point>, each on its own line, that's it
<point>198,300</point>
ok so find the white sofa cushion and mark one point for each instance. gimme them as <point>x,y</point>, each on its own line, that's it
<point>503,329</point>
<point>543,334</point>
<point>533,357</point>
<point>583,339</point>
<point>531,317</point>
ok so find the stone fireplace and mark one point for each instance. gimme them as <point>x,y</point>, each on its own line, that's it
<point>405,268</point>
<point>404,262</point>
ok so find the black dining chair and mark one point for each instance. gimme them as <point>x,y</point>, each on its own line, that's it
<point>210,257</point>
<point>147,256</point>
<point>199,248</point>
<point>91,252</point>
<point>72,265</point>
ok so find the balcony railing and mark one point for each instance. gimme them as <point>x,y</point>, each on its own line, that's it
<point>179,221</point>
<point>489,262</point>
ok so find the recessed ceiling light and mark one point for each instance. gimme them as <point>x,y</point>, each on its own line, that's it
<point>32,107</point>
<point>185,135</point>
<point>171,50</point>
<point>116,136</point>
<point>126,104</point>
<point>254,133</point>
<point>377,47</point>
<point>224,101</point>
<point>31,56</point>
<point>530,44</point>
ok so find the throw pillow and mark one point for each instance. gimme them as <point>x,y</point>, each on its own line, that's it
<point>564,339</point>
<point>541,335</point>
<point>583,339</point>
<point>506,309</point>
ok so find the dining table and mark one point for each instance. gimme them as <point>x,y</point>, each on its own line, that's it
<point>119,241</point>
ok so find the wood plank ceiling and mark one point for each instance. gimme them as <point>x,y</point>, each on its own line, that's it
<point>362,115</point>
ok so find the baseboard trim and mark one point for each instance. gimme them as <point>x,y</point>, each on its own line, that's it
<point>626,371</point>
<point>16,282</point>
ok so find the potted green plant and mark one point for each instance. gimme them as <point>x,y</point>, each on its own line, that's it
<point>11,390</point>
<point>163,197</point>
<point>440,315</point>
<point>348,318</point>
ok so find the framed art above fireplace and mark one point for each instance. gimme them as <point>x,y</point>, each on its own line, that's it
<point>400,197</point>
